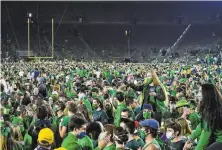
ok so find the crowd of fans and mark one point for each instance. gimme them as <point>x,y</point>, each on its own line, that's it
<point>68,105</point>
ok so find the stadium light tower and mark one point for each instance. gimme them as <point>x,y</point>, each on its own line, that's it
<point>30,15</point>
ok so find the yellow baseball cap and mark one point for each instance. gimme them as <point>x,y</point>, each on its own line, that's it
<point>46,135</point>
<point>60,148</point>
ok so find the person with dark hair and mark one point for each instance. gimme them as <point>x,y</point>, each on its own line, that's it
<point>63,127</point>
<point>77,126</point>
<point>147,112</point>
<point>134,106</point>
<point>12,137</point>
<point>108,108</point>
<point>42,87</point>
<point>121,105</point>
<point>120,136</point>
<point>58,109</point>
<point>130,127</point>
<point>40,123</point>
<point>150,128</point>
<point>126,113</point>
<point>153,93</point>
<point>93,130</point>
<point>19,118</point>
<point>98,113</point>
<point>105,139</point>
<point>209,130</point>
<point>26,100</point>
<point>3,95</point>
<point>174,138</point>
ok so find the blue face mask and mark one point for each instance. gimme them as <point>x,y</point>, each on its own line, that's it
<point>81,135</point>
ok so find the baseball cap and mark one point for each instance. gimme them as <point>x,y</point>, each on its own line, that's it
<point>60,148</point>
<point>46,135</point>
<point>182,103</point>
<point>147,106</point>
<point>152,123</point>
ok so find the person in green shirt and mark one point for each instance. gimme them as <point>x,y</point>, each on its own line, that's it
<point>77,127</point>
<point>19,119</point>
<point>120,136</point>
<point>209,130</point>
<point>108,128</point>
<point>129,126</point>
<point>58,108</point>
<point>85,142</point>
<point>121,105</point>
<point>150,128</point>
<point>63,127</point>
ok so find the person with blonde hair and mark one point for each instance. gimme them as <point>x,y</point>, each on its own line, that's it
<point>185,128</point>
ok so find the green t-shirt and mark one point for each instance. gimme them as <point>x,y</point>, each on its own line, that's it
<point>71,142</point>
<point>28,141</point>
<point>56,123</point>
<point>18,121</point>
<point>86,143</point>
<point>194,119</point>
<point>65,122</point>
<point>110,147</point>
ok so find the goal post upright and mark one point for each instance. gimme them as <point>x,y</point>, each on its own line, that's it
<point>52,46</point>
<point>52,38</point>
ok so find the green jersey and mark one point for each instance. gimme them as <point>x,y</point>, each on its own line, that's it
<point>71,142</point>
<point>86,143</point>
<point>110,147</point>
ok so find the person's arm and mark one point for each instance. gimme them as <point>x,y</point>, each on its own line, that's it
<point>196,133</point>
<point>136,88</point>
<point>204,139</point>
<point>63,128</point>
<point>152,147</point>
<point>62,131</point>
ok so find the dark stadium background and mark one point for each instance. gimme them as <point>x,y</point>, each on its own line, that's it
<point>101,34</point>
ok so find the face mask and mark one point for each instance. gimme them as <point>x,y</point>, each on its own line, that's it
<point>172,107</point>
<point>142,134</point>
<point>81,96</point>
<point>94,95</point>
<point>147,115</point>
<point>94,106</point>
<point>102,135</point>
<point>169,135</point>
<point>81,135</point>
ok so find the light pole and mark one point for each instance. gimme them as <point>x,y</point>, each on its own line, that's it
<point>128,35</point>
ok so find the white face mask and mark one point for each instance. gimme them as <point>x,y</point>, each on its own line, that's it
<point>50,101</point>
<point>81,95</point>
<point>172,107</point>
<point>169,135</point>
